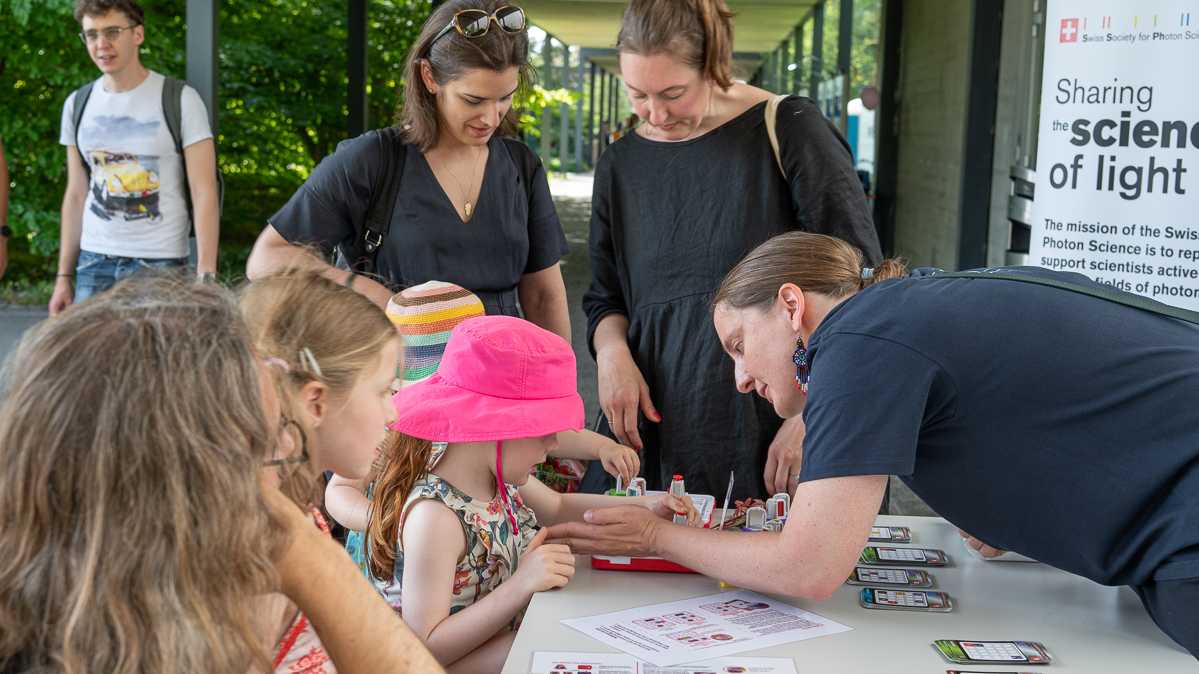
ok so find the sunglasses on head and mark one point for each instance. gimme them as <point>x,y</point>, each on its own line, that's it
<point>473,23</point>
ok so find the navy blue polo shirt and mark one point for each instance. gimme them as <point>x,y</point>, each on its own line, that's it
<point>1048,422</point>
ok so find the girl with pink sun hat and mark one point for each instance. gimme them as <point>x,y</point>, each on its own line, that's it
<point>456,544</point>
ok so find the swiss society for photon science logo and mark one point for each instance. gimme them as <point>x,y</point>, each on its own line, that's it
<point>1148,28</point>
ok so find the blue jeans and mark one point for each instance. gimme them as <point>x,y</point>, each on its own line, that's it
<point>96,272</point>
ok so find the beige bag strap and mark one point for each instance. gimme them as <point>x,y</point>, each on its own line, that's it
<point>772,113</point>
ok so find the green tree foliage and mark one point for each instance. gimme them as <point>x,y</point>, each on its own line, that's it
<point>532,101</point>
<point>863,54</point>
<point>282,98</point>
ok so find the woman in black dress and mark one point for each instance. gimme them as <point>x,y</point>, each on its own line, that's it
<point>677,203</point>
<point>473,205</point>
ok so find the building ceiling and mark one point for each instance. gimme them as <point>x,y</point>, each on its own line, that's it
<point>759,25</point>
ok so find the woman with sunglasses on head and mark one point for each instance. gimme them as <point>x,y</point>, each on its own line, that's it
<point>473,205</point>
<point>677,202</point>
<point>140,435</point>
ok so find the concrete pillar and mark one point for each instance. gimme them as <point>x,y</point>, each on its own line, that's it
<point>602,113</point>
<point>817,69</point>
<point>580,162</point>
<point>202,70</point>
<point>547,75</point>
<point>844,42</point>
<point>564,114</point>
<point>613,109</point>
<point>357,117</point>
<point>784,61</point>
<point>797,59</point>
<point>591,100</point>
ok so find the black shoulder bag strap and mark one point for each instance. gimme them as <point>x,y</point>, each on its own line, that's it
<point>379,212</point>
<point>1102,292</point>
<point>78,104</point>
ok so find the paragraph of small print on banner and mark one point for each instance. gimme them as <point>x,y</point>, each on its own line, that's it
<point>1117,177</point>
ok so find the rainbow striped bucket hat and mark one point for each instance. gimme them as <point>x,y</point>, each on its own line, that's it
<point>424,315</point>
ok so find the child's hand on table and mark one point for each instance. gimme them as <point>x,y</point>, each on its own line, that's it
<point>544,566</point>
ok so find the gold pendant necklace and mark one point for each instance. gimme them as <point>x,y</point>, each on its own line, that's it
<point>467,206</point>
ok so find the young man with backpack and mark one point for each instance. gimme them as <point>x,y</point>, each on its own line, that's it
<point>141,164</point>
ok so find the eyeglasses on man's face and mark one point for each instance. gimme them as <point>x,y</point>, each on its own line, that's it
<point>110,34</point>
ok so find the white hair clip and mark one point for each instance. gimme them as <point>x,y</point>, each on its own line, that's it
<point>309,362</point>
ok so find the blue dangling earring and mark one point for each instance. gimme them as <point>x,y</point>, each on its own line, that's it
<point>800,358</point>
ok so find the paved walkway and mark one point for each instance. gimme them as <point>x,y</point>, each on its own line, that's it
<point>572,197</point>
<point>14,321</point>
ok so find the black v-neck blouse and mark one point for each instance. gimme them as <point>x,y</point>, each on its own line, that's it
<point>514,229</point>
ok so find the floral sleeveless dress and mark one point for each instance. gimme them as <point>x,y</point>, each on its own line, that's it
<point>356,540</point>
<point>492,548</point>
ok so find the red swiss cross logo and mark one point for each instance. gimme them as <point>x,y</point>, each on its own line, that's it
<point>1069,31</point>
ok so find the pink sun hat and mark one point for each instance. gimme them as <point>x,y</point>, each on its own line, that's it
<point>500,378</point>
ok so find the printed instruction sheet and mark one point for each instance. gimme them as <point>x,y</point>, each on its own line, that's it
<point>703,628</point>
<point>616,663</point>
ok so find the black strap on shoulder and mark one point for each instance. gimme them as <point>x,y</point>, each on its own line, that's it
<point>172,109</point>
<point>379,212</point>
<point>1103,292</point>
<point>172,112</point>
<point>79,103</point>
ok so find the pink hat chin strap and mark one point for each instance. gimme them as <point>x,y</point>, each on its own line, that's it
<point>503,488</point>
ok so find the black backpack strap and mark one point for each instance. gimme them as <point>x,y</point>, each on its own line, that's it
<point>1103,292</point>
<point>77,107</point>
<point>172,112</point>
<point>172,109</point>
<point>384,193</point>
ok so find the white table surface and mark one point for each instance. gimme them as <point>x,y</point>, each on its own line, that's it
<point>1085,626</point>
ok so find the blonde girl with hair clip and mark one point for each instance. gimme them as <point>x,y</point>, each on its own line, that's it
<point>453,537</point>
<point>334,379</point>
<point>424,315</point>
<point>140,526</point>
